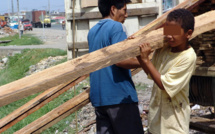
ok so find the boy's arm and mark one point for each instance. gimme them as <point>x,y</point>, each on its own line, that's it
<point>129,63</point>
<point>147,65</point>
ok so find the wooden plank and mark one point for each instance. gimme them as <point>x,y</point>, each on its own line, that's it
<point>203,124</point>
<point>85,64</point>
<point>97,14</point>
<point>56,114</point>
<point>5,41</point>
<point>36,104</point>
<point>204,71</point>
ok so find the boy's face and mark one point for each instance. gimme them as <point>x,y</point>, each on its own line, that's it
<point>120,14</point>
<point>175,35</point>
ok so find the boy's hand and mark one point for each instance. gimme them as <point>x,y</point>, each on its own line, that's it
<point>145,51</point>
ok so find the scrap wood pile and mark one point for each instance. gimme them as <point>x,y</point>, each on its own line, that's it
<point>204,44</point>
<point>8,30</point>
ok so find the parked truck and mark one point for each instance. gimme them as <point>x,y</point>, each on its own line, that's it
<point>37,18</point>
<point>3,21</point>
<point>47,21</point>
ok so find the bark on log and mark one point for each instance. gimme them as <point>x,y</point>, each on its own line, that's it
<point>203,24</point>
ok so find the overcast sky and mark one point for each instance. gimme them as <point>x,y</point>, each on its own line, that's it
<point>5,5</point>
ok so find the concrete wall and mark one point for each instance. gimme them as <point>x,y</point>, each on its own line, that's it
<point>82,26</point>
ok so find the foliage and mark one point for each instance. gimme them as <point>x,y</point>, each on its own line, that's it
<point>16,68</point>
<point>26,39</point>
<point>19,64</point>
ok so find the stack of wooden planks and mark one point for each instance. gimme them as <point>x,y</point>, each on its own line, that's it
<point>204,44</point>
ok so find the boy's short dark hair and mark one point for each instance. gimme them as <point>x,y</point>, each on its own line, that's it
<point>184,17</point>
<point>105,5</point>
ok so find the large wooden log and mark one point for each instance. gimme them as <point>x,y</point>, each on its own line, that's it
<point>156,40</point>
<point>73,69</point>
<point>36,104</point>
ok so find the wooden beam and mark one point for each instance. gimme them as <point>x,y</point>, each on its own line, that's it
<point>36,103</point>
<point>61,112</point>
<point>97,15</point>
<point>204,71</point>
<point>85,64</point>
<point>5,41</point>
<point>203,124</point>
<point>56,114</point>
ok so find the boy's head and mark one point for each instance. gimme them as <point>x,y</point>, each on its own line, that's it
<point>183,17</point>
<point>178,28</point>
<point>116,9</point>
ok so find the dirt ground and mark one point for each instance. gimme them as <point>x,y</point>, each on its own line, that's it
<point>50,36</point>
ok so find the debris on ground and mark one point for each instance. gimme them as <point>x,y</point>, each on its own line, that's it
<point>3,62</point>
<point>44,64</point>
<point>7,31</point>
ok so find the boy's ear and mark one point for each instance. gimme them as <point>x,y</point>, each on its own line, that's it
<point>189,33</point>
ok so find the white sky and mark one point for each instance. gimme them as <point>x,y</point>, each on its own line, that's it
<point>5,5</point>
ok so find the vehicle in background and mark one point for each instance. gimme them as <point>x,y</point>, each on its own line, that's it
<point>47,21</point>
<point>13,25</point>
<point>38,18</point>
<point>13,21</point>
<point>27,24</point>
<point>3,22</point>
<point>2,17</point>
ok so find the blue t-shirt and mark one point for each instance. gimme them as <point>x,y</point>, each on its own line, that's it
<point>110,85</point>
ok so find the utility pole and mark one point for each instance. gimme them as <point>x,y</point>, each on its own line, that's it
<point>160,3</point>
<point>18,19</point>
<point>12,6</point>
<point>8,12</point>
<point>49,7</point>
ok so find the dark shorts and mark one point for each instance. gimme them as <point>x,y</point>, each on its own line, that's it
<point>118,119</point>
